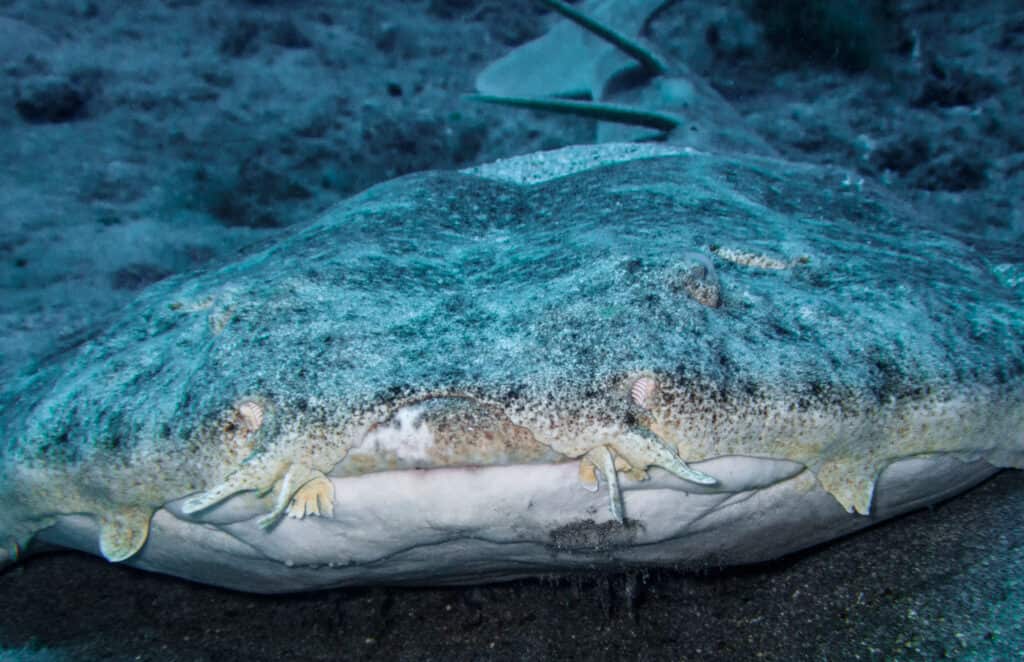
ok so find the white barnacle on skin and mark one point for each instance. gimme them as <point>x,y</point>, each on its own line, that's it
<point>642,390</point>
<point>251,413</point>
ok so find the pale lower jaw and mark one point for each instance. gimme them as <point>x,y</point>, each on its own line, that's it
<point>467,525</point>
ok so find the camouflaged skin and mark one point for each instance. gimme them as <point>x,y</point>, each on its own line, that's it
<point>533,310</point>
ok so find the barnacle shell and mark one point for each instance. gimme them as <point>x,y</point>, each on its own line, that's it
<point>251,414</point>
<point>642,390</point>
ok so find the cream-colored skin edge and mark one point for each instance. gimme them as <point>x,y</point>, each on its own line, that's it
<point>846,454</point>
<point>293,471</point>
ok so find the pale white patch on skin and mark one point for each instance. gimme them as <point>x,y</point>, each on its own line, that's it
<point>407,435</point>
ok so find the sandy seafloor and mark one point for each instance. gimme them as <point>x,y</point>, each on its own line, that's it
<point>148,138</point>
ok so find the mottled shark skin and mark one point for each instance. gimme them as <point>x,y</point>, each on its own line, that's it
<point>601,356</point>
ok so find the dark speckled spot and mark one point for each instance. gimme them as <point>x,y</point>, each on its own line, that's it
<point>589,536</point>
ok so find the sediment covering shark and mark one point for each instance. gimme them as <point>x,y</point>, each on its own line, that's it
<point>650,320</point>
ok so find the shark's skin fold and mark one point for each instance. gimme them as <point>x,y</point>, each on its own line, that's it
<point>601,356</point>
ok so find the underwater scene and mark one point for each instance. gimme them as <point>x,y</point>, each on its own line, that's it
<point>511,329</point>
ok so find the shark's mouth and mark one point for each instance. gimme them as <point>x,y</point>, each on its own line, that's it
<point>462,525</point>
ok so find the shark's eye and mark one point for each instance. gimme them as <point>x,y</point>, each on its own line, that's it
<point>697,277</point>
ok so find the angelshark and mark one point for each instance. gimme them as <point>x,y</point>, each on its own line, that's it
<point>605,355</point>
